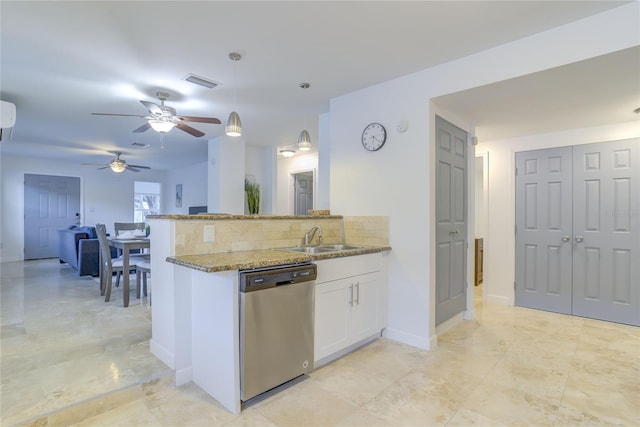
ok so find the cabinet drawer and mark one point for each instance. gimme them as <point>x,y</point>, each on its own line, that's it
<point>340,268</point>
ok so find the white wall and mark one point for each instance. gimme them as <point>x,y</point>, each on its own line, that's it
<point>398,181</point>
<point>499,273</point>
<point>106,197</point>
<point>194,188</point>
<point>226,173</point>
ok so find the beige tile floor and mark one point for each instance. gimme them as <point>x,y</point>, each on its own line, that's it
<point>68,358</point>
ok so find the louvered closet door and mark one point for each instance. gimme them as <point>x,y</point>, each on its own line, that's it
<point>606,224</point>
<point>543,237</point>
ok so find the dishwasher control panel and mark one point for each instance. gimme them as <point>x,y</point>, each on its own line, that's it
<point>255,280</point>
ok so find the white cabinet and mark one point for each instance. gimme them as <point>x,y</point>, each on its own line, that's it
<point>347,302</point>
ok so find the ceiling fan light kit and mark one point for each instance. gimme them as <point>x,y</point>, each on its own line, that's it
<point>162,126</point>
<point>118,166</point>
<point>234,125</point>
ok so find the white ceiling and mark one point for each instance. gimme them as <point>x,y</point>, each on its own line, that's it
<point>61,61</point>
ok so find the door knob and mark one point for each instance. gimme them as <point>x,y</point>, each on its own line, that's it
<point>566,238</point>
<point>579,239</point>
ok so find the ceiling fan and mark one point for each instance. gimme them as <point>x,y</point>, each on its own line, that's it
<point>163,118</point>
<point>118,165</point>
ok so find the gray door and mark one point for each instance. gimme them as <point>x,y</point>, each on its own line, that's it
<point>543,224</point>
<point>606,227</point>
<point>303,189</point>
<point>451,220</point>
<point>578,230</point>
<point>50,202</point>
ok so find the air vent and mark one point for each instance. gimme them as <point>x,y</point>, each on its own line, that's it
<point>192,78</point>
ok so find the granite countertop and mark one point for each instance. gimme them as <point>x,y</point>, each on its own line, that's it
<point>207,216</point>
<point>242,260</point>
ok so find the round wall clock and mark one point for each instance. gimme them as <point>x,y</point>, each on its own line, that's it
<point>374,136</point>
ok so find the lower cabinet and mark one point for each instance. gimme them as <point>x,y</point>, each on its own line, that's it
<point>347,310</point>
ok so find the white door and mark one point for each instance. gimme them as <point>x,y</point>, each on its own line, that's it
<point>451,220</point>
<point>50,202</point>
<point>578,230</point>
<point>543,229</point>
<point>606,227</point>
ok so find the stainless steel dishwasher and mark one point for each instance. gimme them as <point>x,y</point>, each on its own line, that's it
<point>276,326</point>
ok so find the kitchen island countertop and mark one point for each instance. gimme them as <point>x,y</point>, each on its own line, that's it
<point>242,260</point>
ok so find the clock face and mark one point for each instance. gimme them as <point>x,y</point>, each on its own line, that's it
<point>374,136</point>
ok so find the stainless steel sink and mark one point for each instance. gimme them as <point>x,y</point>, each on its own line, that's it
<point>321,248</point>
<point>340,247</point>
<point>307,249</point>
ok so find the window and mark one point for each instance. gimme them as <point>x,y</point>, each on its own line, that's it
<point>146,200</point>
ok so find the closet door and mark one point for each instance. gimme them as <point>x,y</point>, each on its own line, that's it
<point>543,229</point>
<point>606,231</point>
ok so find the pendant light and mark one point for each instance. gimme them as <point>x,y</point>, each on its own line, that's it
<point>304,140</point>
<point>234,126</point>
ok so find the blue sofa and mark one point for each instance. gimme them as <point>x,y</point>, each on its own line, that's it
<point>78,247</point>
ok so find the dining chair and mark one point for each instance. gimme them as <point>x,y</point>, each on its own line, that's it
<point>119,227</point>
<point>143,268</point>
<point>109,265</point>
<point>128,226</point>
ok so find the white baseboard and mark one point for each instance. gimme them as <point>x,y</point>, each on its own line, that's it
<point>184,375</point>
<point>424,343</point>
<point>448,324</point>
<point>162,353</point>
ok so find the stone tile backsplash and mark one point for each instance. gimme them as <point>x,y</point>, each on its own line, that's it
<point>255,234</point>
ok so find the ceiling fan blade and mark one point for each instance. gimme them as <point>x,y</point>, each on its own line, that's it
<point>92,164</point>
<point>104,167</point>
<point>213,120</point>
<point>121,115</point>
<point>132,169</point>
<point>142,128</point>
<point>138,166</point>
<point>153,108</point>
<point>189,130</point>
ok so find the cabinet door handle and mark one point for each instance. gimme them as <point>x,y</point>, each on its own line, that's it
<point>357,293</point>
<point>579,239</point>
<point>351,295</point>
<point>566,238</point>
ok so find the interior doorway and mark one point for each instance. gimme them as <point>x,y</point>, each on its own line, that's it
<point>481,222</point>
<point>303,193</point>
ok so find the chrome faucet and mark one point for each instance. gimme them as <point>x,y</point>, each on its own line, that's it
<point>308,236</point>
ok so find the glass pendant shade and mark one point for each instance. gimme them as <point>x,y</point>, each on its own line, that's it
<point>304,141</point>
<point>234,126</point>
<point>287,152</point>
<point>117,166</point>
<point>161,125</point>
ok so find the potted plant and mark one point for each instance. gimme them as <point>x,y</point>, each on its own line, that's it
<point>252,189</point>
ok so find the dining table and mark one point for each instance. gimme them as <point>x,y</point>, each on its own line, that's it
<point>125,245</point>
